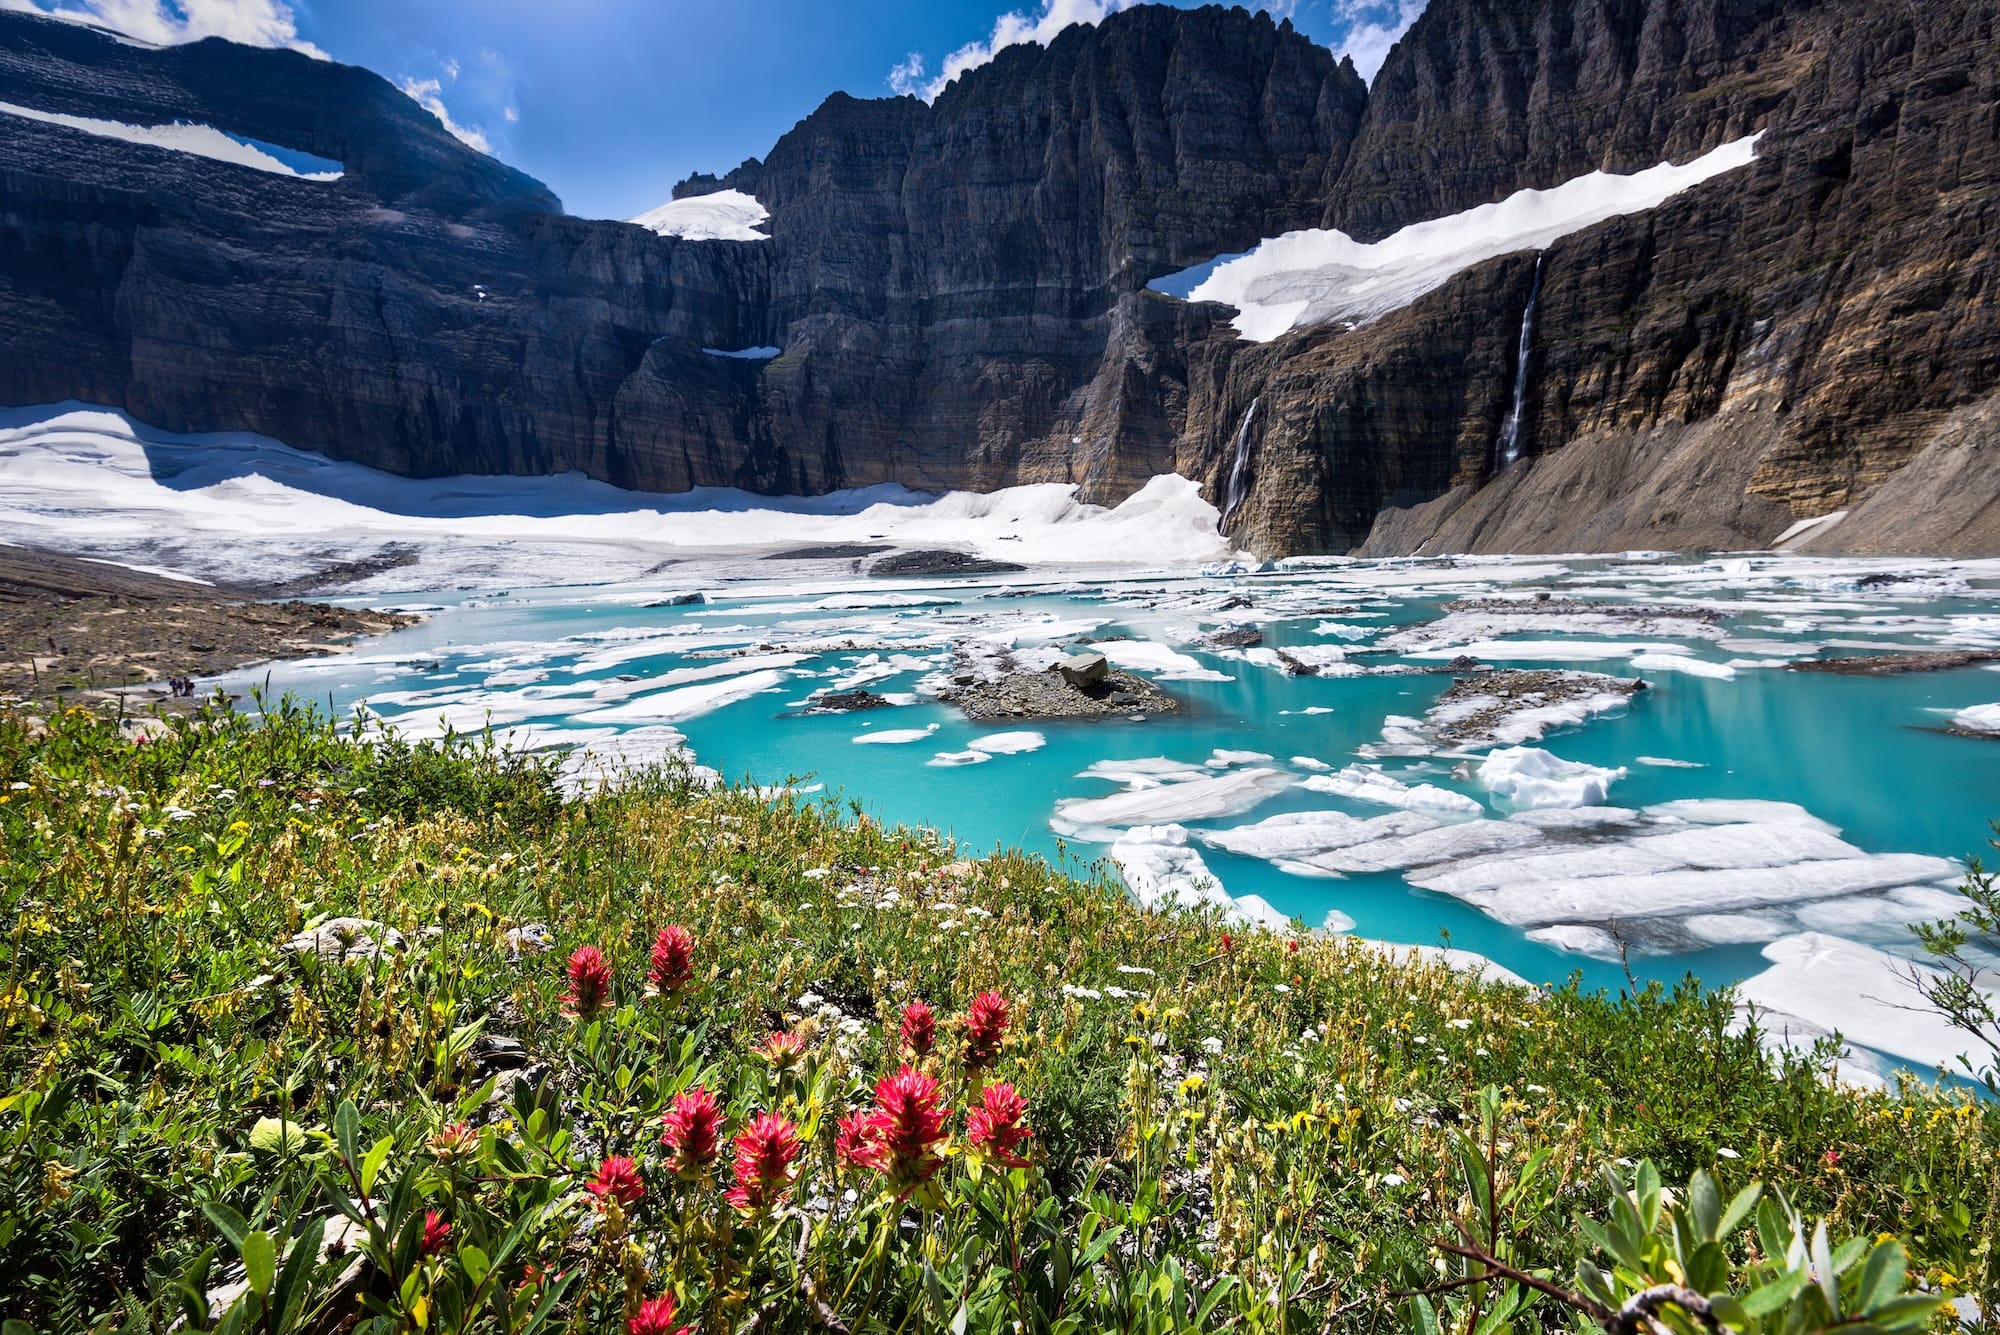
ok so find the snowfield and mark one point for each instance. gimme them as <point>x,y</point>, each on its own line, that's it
<point>1318,276</point>
<point>242,508</point>
<point>726,215</point>
<point>201,140</point>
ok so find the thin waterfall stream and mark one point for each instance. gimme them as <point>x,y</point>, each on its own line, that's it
<point>1239,470</point>
<point>1509,445</point>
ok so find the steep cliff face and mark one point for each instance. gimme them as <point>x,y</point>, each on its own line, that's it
<point>1771,346</point>
<point>958,291</point>
<point>954,287</point>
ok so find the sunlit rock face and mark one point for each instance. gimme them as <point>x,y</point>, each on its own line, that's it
<point>957,293</point>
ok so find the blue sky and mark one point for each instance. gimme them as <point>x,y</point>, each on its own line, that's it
<point>612,101</point>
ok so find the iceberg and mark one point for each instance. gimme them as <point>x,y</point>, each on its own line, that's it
<point>1524,778</point>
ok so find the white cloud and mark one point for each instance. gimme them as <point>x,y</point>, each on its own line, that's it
<point>428,94</point>
<point>172,22</point>
<point>908,77</point>
<point>510,115</point>
<point>1373,27</point>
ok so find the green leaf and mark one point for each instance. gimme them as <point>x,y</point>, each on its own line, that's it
<point>1739,1208</point>
<point>275,1135</point>
<point>347,1130</point>
<point>292,1285</point>
<point>1705,1205</point>
<point>371,1166</point>
<point>475,1263</point>
<point>260,1260</point>
<point>1882,1280</point>
<point>229,1223</point>
<point>16,1327</point>
<point>1424,1317</point>
<point>1772,1297</point>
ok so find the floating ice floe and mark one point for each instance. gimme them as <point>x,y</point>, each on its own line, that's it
<point>1161,803</point>
<point>1157,659</point>
<point>723,215</point>
<point>688,702</point>
<point>982,749</point>
<point>1523,778</point>
<point>1162,871</point>
<point>1869,995</point>
<point>1367,783</point>
<point>1299,660</point>
<point>1317,276</point>
<point>1470,632</point>
<point>1697,667</point>
<point>1978,718</point>
<point>610,760</point>
<point>1678,876</point>
<point>895,736</point>
<point>201,140</point>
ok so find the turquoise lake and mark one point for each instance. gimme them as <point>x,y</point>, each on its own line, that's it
<point>1868,755</point>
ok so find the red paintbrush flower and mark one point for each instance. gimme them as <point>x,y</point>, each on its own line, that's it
<point>589,983</point>
<point>997,1128</point>
<point>656,1317</point>
<point>919,1029</point>
<point>985,1026</point>
<point>783,1049</point>
<point>1228,943</point>
<point>854,1141</point>
<point>672,965</point>
<point>617,1178</point>
<point>436,1233</point>
<point>693,1131</point>
<point>765,1152</point>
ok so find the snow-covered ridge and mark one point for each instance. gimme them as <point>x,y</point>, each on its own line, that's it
<point>726,215</point>
<point>1312,277</point>
<point>201,140</point>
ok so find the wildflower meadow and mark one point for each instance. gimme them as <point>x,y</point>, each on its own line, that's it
<point>304,1033</point>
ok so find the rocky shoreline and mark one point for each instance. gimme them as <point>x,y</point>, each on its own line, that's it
<point>78,631</point>
<point>1896,665</point>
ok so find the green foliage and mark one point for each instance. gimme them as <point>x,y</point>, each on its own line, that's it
<point>1966,948</point>
<point>202,1125</point>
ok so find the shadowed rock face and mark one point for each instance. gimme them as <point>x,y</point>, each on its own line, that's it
<point>958,290</point>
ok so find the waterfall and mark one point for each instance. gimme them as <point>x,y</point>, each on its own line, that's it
<point>1509,445</point>
<point>1239,471</point>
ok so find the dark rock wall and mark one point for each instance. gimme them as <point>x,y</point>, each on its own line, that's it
<point>959,289</point>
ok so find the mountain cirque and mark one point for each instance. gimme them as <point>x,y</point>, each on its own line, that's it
<point>958,292</point>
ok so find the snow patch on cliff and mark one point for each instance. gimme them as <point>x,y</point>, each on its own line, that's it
<point>726,215</point>
<point>1317,276</point>
<point>201,140</point>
